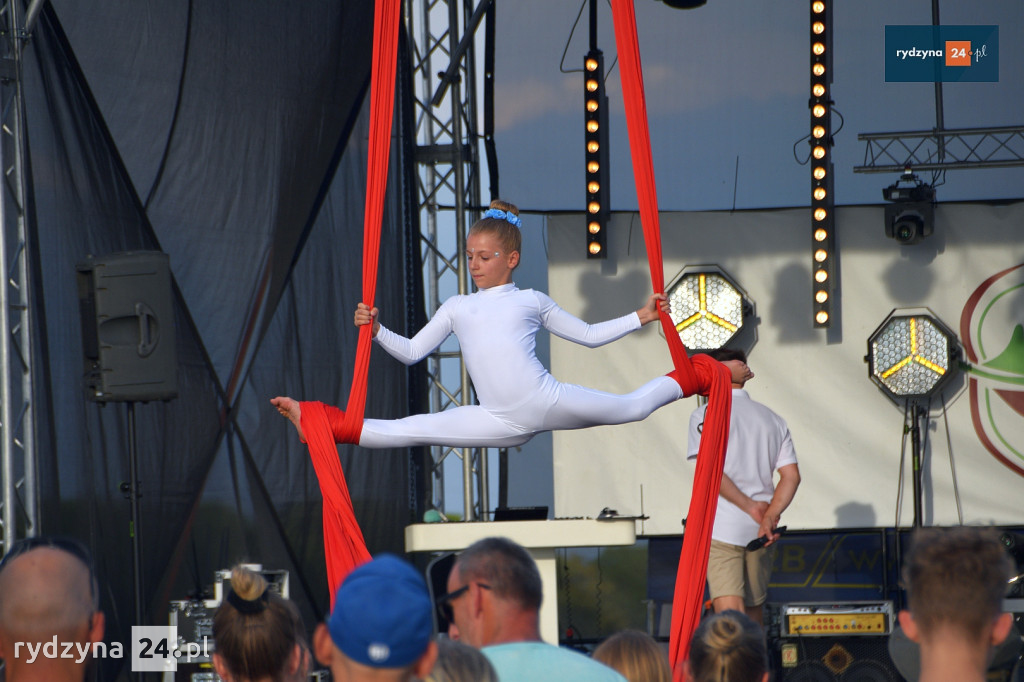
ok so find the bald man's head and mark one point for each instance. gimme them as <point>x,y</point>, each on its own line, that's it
<point>45,591</point>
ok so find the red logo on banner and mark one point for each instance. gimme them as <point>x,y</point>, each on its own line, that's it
<point>992,331</point>
<point>958,53</point>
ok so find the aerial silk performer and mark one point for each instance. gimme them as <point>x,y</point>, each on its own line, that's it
<point>323,426</point>
<point>705,376</point>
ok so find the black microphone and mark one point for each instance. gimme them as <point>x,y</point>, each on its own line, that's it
<point>760,542</point>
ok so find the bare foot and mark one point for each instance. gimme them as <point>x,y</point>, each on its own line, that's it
<point>290,408</point>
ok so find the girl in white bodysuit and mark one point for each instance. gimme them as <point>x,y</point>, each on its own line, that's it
<point>497,328</point>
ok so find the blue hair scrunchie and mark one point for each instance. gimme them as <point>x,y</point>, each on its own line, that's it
<point>503,215</point>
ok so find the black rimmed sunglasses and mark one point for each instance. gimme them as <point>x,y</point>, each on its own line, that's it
<point>444,602</point>
<point>72,547</point>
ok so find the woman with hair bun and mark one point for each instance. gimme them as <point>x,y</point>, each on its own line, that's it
<point>728,647</point>
<point>258,634</point>
<point>497,327</point>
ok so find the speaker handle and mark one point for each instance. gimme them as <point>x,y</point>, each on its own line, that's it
<point>149,334</point>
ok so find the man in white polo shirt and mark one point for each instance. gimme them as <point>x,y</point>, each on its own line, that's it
<point>750,504</point>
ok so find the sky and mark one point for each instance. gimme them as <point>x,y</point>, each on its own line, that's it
<point>727,89</point>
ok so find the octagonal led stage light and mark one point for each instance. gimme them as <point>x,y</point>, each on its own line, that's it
<point>708,308</point>
<point>912,355</point>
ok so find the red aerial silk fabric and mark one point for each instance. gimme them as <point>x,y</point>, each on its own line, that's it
<point>344,547</point>
<point>699,374</point>
<point>325,426</point>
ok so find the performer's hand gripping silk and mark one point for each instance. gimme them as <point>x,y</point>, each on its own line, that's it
<point>496,328</point>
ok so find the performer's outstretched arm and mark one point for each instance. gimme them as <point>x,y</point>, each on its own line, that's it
<point>408,351</point>
<point>569,327</point>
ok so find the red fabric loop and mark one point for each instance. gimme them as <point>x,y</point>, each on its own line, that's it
<point>344,546</point>
<point>715,382</point>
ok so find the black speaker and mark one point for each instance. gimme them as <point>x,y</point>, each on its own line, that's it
<point>127,317</point>
<point>849,658</point>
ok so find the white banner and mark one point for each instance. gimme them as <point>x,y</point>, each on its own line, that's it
<point>849,436</point>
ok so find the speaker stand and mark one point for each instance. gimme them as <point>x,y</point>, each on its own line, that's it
<point>132,491</point>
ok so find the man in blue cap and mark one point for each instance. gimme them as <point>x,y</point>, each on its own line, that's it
<point>381,627</point>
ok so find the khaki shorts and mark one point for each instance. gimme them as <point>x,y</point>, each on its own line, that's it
<point>735,572</point>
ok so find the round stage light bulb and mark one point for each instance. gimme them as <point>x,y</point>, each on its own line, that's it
<point>818,48</point>
<point>818,132</point>
<point>594,207</point>
<point>818,90</point>
<point>820,255</point>
<point>590,64</point>
<point>818,27</point>
<point>817,7</point>
<point>593,166</point>
<point>591,105</point>
<point>593,146</point>
<point>819,214</point>
<point>592,126</point>
<point>819,172</point>
<point>818,110</point>
<point>593,227</point>
<point>820,276</point>
<point>821,296</point>
<point>821,317</point>
<point>820,234</point>
<point>593,187</point>
<point>819,193</point>
<point>818,69</point>
<point>819,152</point>
<point>594,248</point>
<point>591,85</point>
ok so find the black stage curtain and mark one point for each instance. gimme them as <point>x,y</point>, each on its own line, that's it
<point>232,136</point>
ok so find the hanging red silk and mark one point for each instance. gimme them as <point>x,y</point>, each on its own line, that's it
<point>699,374</point>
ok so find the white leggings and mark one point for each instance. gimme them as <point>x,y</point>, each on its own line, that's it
<point>570,407</point>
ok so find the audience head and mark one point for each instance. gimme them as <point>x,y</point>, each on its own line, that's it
<point>47,589</point>
<point>459,662</point>
<point>494,593</point>
<point>381,626</point>
<point>258,633</point>
<point>636,656</point>
<point>504,231</point>
<point>506,567</point>
<point>728,647</point>
<point>956,579</point>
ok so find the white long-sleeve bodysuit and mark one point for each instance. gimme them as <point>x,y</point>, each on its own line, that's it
<point>519,398</point>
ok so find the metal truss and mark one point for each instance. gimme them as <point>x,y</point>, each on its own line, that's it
<point>937,150</point>
<point>20,514</point>
<point>448,199</point>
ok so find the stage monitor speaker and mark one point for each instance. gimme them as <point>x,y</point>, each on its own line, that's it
<point>860,658</point>
<point>127,315</point>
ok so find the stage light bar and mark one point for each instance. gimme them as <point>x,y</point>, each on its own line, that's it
<point>912,356</point>
<point>596,137</point>
<point>707,309</point>
<point>822,199</point>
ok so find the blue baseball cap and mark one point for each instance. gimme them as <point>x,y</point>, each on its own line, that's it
<point>382,614</point>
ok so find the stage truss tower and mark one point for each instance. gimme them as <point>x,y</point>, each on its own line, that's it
<point>448,201</point>
<point>17,446</point>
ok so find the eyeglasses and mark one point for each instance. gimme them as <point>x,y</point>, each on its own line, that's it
<point>444,602</point>
<point>72,547</point>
